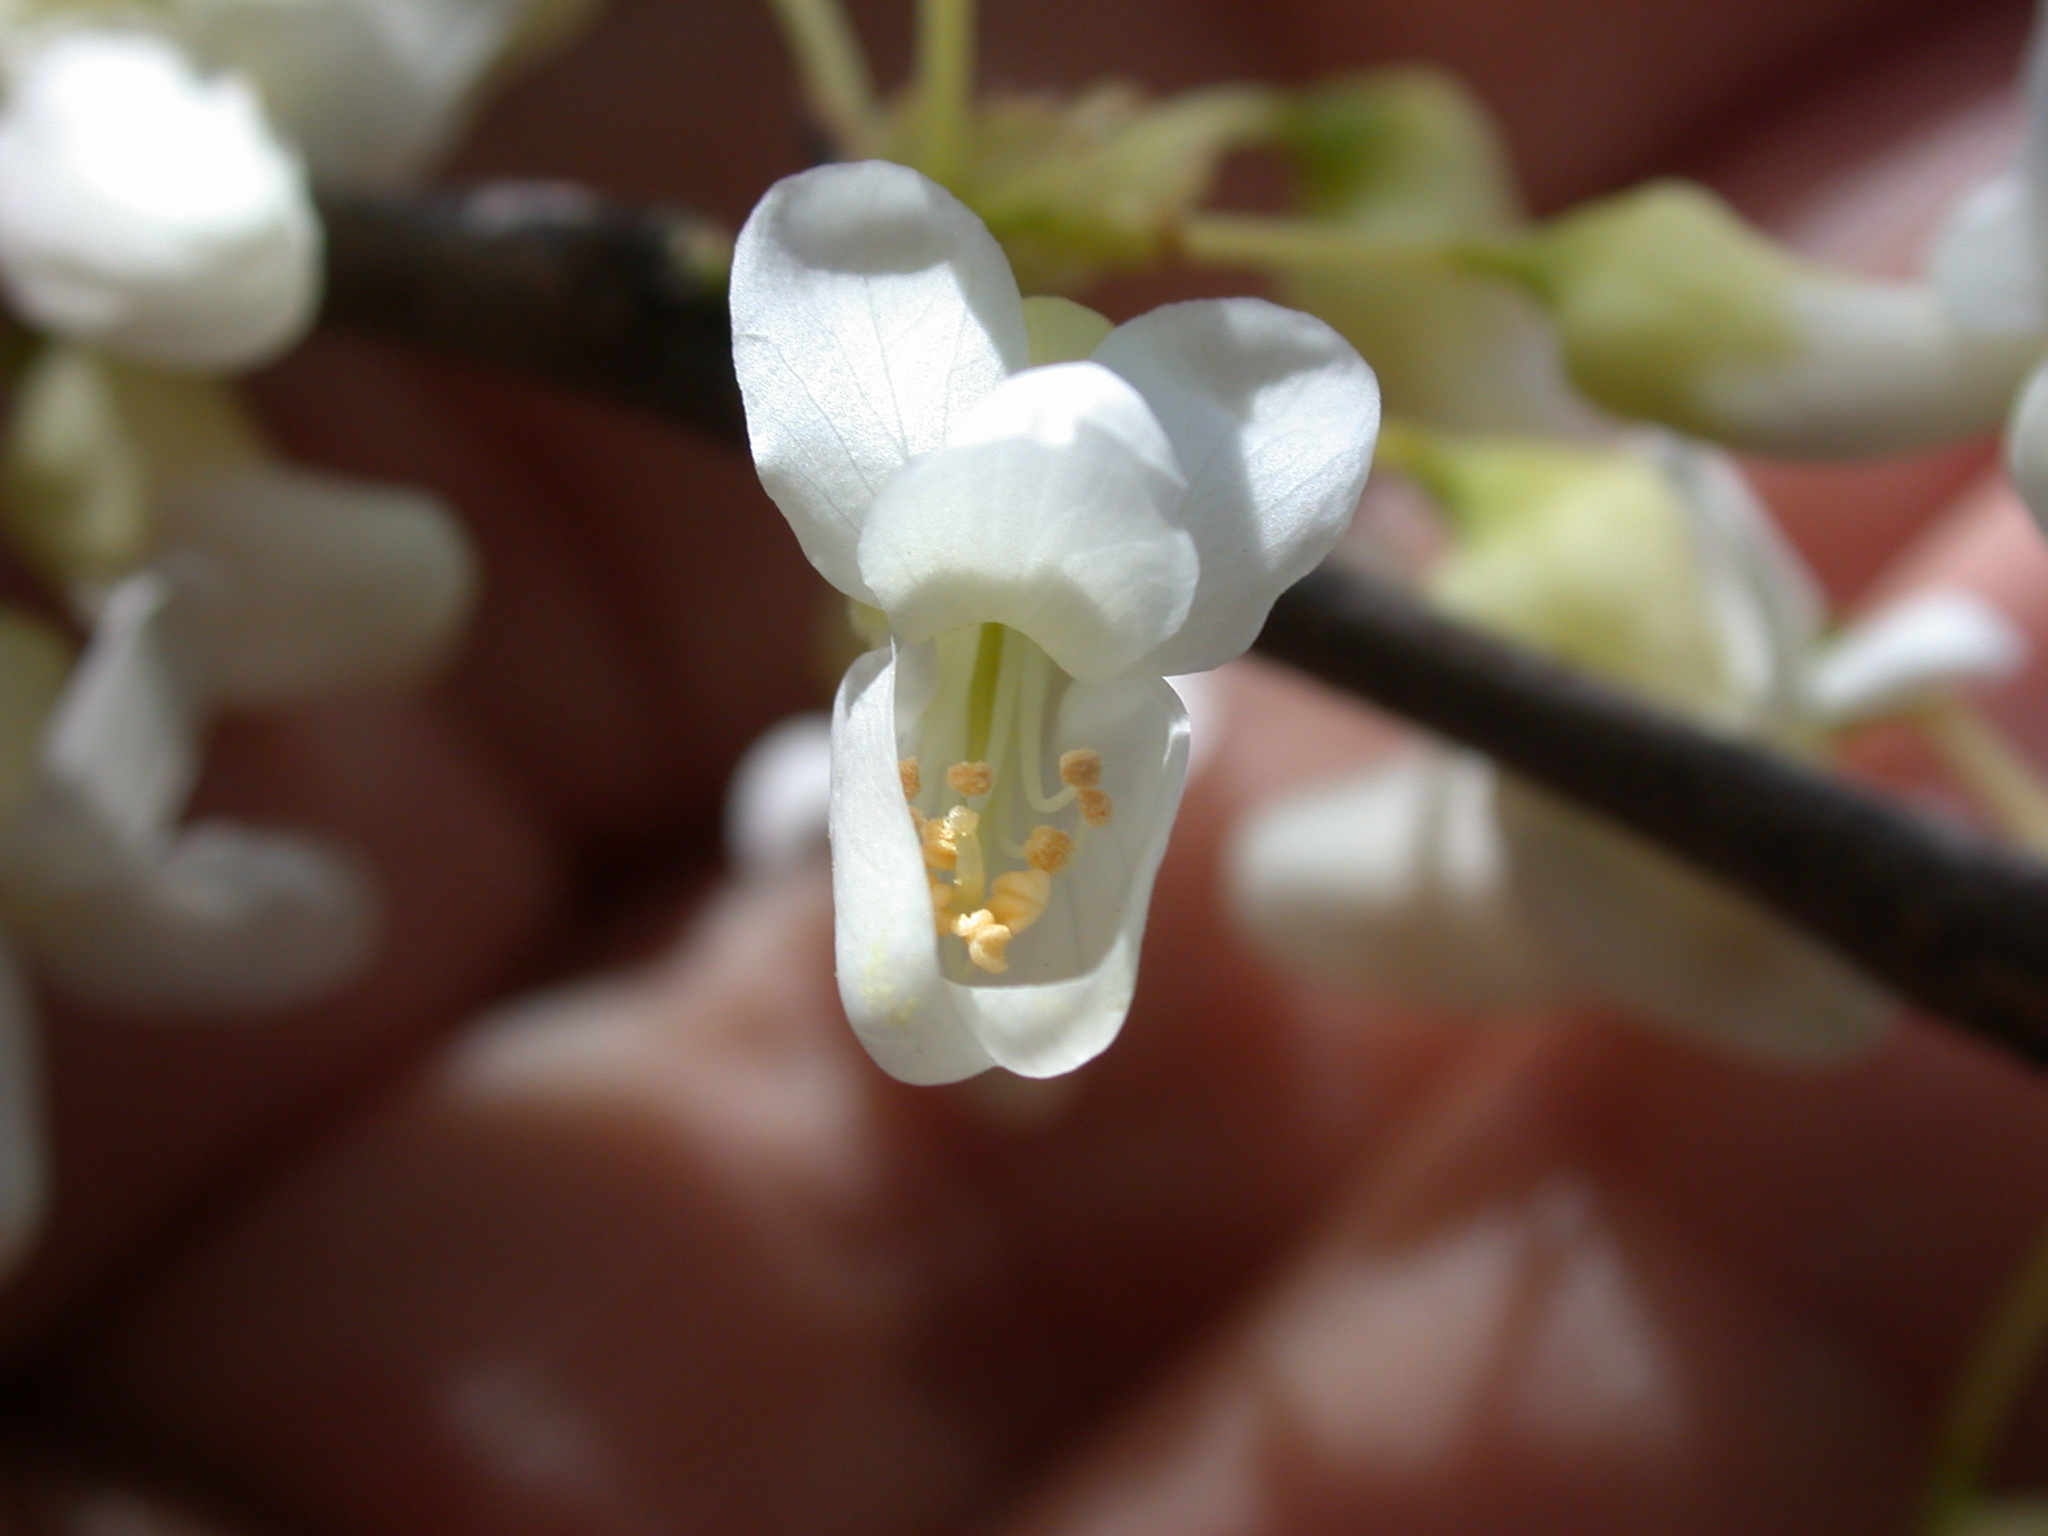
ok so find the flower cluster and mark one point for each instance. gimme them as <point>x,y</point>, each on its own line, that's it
<point>157,230</point>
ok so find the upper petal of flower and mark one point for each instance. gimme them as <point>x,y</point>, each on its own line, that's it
<point>1272,416</point>
<point>1051,509</point>
<point>871,310</point>
<point>149,210</point>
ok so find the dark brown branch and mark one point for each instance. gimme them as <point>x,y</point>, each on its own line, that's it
<point>545,277</point>
<point>1952,921</point>
<point>628,303</point>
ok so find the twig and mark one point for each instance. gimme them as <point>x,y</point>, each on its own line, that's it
<point>630,303</point>
<point>1951,920</point>
<point>545,277</point>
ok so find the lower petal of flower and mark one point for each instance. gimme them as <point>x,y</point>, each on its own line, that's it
<point>1038,883</point>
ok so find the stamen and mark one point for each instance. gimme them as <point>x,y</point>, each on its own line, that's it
<point>970,778</point>
<point>943,835</point>
<point>1018,899</point>
<point>1048,848</point>
<point>1095,807</point>
<point>942,900</point>
<point>986,939</point>
<point>913,781</point>
<point>1081,768</point>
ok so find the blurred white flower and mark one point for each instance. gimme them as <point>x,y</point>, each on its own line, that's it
<point>209,576</point>
<point>1052,515</point>
<point>149,209</point>
<point>153,167</point>
<point>371,92</point>
<point>1438,878</point>
<point>1670,308</point>
<point>212,577</point>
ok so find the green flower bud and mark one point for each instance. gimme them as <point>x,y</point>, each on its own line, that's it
<point>1584,551</point>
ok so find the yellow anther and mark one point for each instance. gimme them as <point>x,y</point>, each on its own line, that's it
<point>986,939</point>
<point>969,778</point>
<point>1018,899</point>
<point>1081,768</point>
<point>913,781</point>
<point>1048,848</point>
<point>1094,807</point>
<point>942,834</point>
<point>940,851</point>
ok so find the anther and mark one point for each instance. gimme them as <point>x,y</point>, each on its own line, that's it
<point>986,939</point>
<point>969,778</point>
<point>1048,848</point>
<point>1081,768</point>
<point>913,781</point>
<point>1094,807</point>
<point>1018,898</point>
<point>942,835</point>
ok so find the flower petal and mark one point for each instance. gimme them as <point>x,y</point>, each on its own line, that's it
<point>904,1011</point>
<point>1984,266</point>
<point>870,311</point>
<point>227,920</point>
<point>1759,593</point>
<point>124,909</point>
<point>24,1181</point>
<point>1678,949</point>
<point>123,741</point>
<point>1272,415</point>
<point>370,91</point>
<point>150,211</point>
<point>290,583</point>
<point>1394,882</point>
<point>1908,650</point>
<point>1072,973</point>
<point>780,796</point>
<point>1048,510</point>
<point>1875,368</point>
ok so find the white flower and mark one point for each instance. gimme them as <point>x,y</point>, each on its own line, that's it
<point>1047,543</point>
<point>213,577</point>
<point>370,91</point>
<point>1438,878</point>
<point>153,170</point>
<point>149,209</point>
